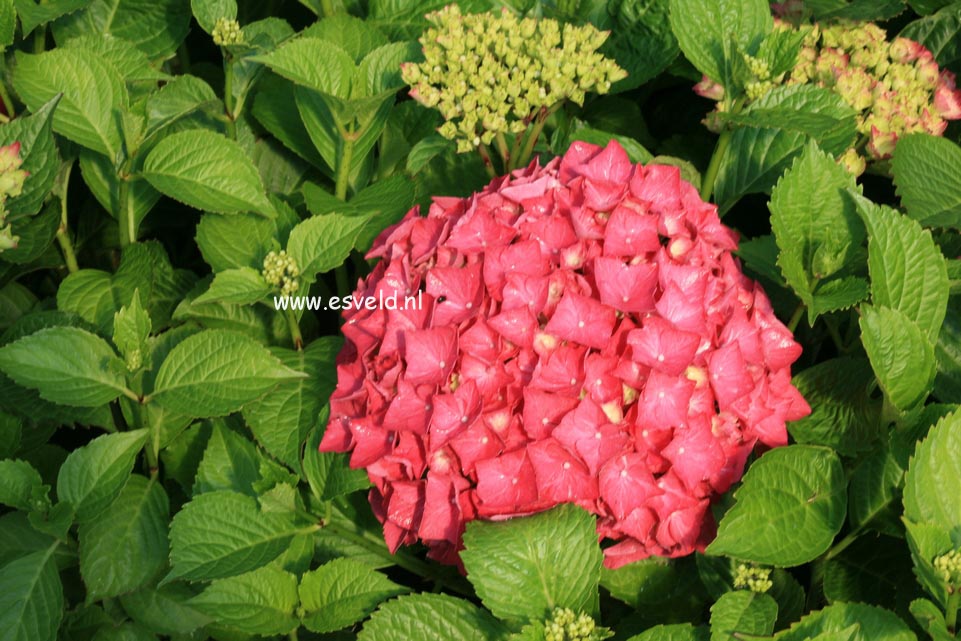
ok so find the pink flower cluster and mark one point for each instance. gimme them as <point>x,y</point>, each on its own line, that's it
<point>587,337</point>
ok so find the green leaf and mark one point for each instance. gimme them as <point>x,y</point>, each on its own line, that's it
<point>355,36</point>
<point>88,293</point>
<point>230,462</point>
<point>843,414</point>
<point>939,33</point>
<point>789,507</point>
<point>818,232</point>
<point>66,365</point>
<point>947,384</point>
<point>36,235</point>
<point>157,27</point>
<point>127,544</point>
<point>208,171</point>
<point>741,613</point>
<point>641,42</point>
<point>93,475</point>
<point>431,616</point>
<point>31,598</point>
<point>926,171</point>
<point>21,486</point>
<point>875,569</point>
<point>273,104</point>
<point>207,12</point>
<point>873,488</point>
<point>927,541</point>
<point>322,243</point>
<point>122,55</point>
<point>855,9</point>
<point>872,623</point>
<point>259,602</point>
<point>131,329</point>
<point>217,372</point>
<point>164,609</point>
<point>8,23</point>
<point>341,593</point>
<point>900,353</point>
<point>145,267</point>
<point>239,242</point>
<point>708,30</point>
<point>282,420</point>
<point>41,161</point>
<point>908,272</point>
<point>32,14</point>
<point>222,534</point>
<point>241,286</point>
<point>179,97</point>
<point>329,473</point>
<point>294,61</point>
<point>784,120</point>
<point>931,619</point>
<point>933,480</point>
<point>100,176</point>
<point>673,632</point>
<point>93,94</point>
<point>551,558</point>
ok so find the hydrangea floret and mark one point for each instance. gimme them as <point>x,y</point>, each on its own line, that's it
<point>494,74</point>
<point>587,336</point>
<point>227,32</point>
<point>281,271</point>
<point>12,178</point>
<point>753,578</point>
<point>895,86</point>
<point>565,625</point>
<point>948,566</point>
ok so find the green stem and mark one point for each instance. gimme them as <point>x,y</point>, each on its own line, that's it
<point>69,257</point>
<point>796,317</point>
<point>229,98</point>
<point>486,157</point>
<point>951,611</point>
<point>39,39</point>
<point>710,176</point>
<point>7,102</point>
<point>843,544</point>
<point>128,226</point>
<point>295,329</point>
<point>343,168</point>
<point>327,6</point>
<point>533,134</point>
<point>831,323</point>
<point>376,546</point>
<point>503,150</point>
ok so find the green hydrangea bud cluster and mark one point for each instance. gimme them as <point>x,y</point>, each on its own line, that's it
<point>134,360</point>
<point>896,86</point>
<point>281,271</point>
<point>11,185</point>
<point>755,579</point>
<point>565,625</point>
<point>949,567</point>
<point>491,73</point>
<point>227,32</point>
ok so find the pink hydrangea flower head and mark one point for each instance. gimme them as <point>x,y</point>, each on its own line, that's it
<point>587,337</point>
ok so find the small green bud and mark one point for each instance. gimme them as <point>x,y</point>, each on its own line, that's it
<point>227,32</point>
<point>752,578</point>
<point>948,566</point>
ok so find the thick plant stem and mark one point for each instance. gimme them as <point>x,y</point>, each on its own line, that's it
<point>796,318</point>
<point>533,134</point>
<point>327,7</point>
<point>486,157</point>
<point>951,611</point>
<point>504,151</point>
<point>229,98</point>
<point>128,226</point>
<point>295,334</point>
<point>63,232</point>
<point>710,176</point>
<point>343,168</point>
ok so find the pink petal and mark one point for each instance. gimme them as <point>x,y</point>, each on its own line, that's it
<point>582,320</point>
<point>430,355</point>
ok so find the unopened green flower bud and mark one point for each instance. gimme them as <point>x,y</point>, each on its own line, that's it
<point>752,578</point>
<point>565,625</point>
<point>853,162</point>
<point>948,566</point>
<point>227,32</point>
<point>281,271</point>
